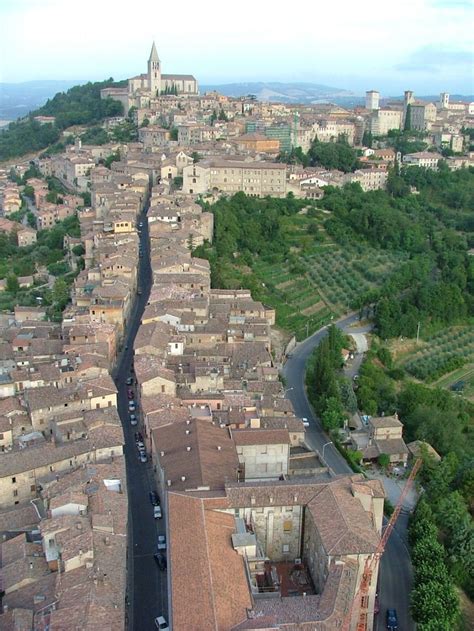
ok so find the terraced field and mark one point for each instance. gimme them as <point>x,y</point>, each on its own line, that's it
<point>444,359</point>
<point>321,282</point>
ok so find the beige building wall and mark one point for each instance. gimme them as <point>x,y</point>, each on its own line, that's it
<point>254,180</point>
<point>278,530</point>
<point>264,461</point>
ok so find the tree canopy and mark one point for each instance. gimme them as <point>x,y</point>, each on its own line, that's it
<point>81,105</point>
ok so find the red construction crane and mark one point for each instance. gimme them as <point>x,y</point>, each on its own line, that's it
<point>375,558</point>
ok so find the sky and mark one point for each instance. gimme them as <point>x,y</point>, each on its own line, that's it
<point>422,45</point>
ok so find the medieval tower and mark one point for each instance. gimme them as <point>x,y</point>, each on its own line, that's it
<point>154,71</point>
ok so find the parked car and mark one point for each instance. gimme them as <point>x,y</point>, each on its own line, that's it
<point>161,542</point>
<point>130,394</point>
<point>140,225</point>
<point>392,620</point>
<point>160,560</point>
<point>161,624</point>
<point>138,437</point>
<point>143,457</point>
<point>132,406</point>
<point>157,514</point>
<point>154,499</point>
<point>139,291</point>
<point>133,419</point>
<point>129,381</point>
<point>305,421</point>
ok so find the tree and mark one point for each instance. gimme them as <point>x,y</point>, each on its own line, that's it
<point>367,139</point>
<point>12,284</point>
<point>384,461</point>
<point>195,156</point>
<point>435,601</point>
<point>60,292</point>
<point>113,157</point>
<point>348,397</point>
<point>29,191</point>
<point>31,219</point>
<point>174,133</point>
<point>78,250</point>
<point>408,118</point>
<point>332,416</point>
<point>145,122</point>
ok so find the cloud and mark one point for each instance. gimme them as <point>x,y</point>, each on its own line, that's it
<point>451,4</point>
<point>433,58</point>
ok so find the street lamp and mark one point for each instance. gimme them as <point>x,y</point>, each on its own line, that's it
<point>325,445</point>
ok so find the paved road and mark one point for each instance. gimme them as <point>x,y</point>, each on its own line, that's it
<point>147,590</point>
<point>395,573</point>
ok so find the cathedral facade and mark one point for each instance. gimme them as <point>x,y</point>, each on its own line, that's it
<point>157,83</point>
<point>151,84</point>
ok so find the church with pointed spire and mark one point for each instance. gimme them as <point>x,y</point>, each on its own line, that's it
<point>155,83</point>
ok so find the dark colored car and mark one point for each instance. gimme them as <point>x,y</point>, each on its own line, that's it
<point>130,394</point>
<point>160,561</point>
<point>138,437</point>
<point>129,381</point>
<point>154,499</point>
<point>392,620</point>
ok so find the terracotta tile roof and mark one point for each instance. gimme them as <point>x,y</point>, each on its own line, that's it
<point>261,436</point>
<point>343,524</point>
<point>209,589</point>
<point>210,461</point>
<point>380,422</point>
<point>35,457</point>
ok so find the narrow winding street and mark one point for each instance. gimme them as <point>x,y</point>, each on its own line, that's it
<point>147,585</point>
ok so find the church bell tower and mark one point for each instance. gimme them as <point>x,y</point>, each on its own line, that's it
<point>154,71</point>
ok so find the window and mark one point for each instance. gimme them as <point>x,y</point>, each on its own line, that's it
<point>15,493</point>
<point>263,449</point>
<point>287,525</point>
<point>1,436</point>
<point>13,480</point>
<point>285,548</point>
<point>364,602</point>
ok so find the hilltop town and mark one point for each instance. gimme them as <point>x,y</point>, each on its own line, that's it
<point>152,463</point>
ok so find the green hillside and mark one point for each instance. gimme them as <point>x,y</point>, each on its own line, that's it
<point>81,105</point>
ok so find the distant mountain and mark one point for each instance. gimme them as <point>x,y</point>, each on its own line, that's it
<point>17,99</point>
<point>281,92</point>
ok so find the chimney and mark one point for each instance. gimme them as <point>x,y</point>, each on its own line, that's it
<point>188,421</point>
<point>162,453</point>
<point>168,482</point>
<point>219,448</point>
<point>31,565</point>
<point>187,431</point>
<point>107,541</point>
<point>183,478</point>
<point>188,448</point>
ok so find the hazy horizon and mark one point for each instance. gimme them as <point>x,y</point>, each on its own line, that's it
<point>360,47</point>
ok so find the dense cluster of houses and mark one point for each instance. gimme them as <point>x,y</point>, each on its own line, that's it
<point>254,518</point>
